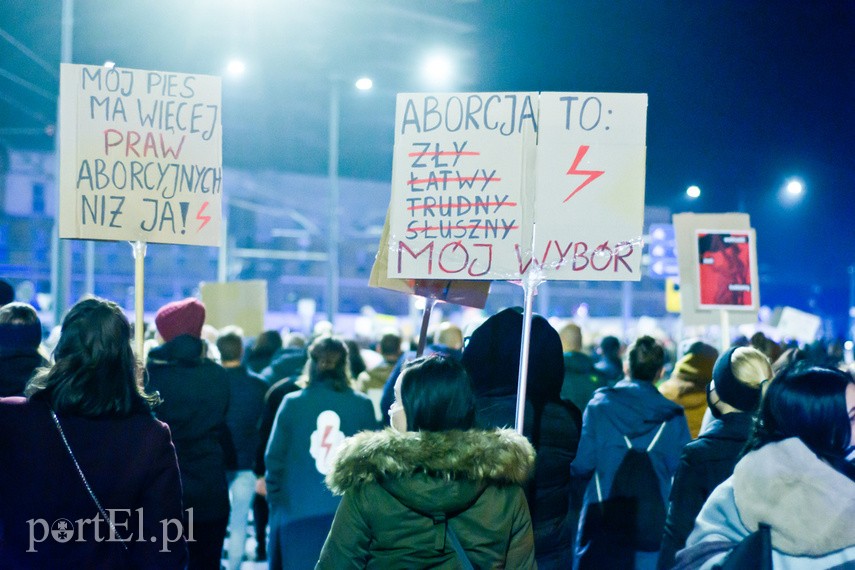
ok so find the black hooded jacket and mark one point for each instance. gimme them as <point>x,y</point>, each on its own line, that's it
<point>195,393</point>
<point>492,359</point>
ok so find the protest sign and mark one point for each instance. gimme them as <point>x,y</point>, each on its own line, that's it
<point>689,228</point>
<point>724,269</point>
<point>492,185</point>
<point>468,293</point>
<point>140,155</point>
<point>799,325</point>
<point>240,303</point>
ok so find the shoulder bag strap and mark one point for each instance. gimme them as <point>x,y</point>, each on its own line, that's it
<point>656,437</point>
<point>461,554</point>
<point>86,483</point>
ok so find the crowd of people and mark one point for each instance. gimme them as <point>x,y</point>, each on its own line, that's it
<point>344,453</point>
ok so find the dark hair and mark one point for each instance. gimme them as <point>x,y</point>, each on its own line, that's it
<point>19,314</point>
<point>328,362</point>
<point>95,372</point>
<point>390,344</point>
<point>646,359</point>
<point>354,359</point>
<point>230,344</point>
<point>807,402</point>
<point>437,395</point>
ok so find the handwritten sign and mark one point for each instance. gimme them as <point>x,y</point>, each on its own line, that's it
<point>589,208</point>
<point>140,155</point>
<point>491,185</point>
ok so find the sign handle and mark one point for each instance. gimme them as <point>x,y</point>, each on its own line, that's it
<point>530,282</point>
<point>725,329</point>
<point>429,303</point>
<point>138,248</point>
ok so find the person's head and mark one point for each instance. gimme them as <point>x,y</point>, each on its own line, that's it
<point>328,363</point>
<point>571,338</point>
<point>433,393</point>
<point>230,345</point>
<point>492,358</point>
<point>95,371</point>
<point>738,375</point>
<point>814,404</point>
<point>20,326</point>
<point>610,347</point>
<point>267,343</point>
<point>448,334</point>
<point>389,346</point>
<point>185,317</point>
<point>696,366</point>
<point>7,293</point>
<point>646,359</point>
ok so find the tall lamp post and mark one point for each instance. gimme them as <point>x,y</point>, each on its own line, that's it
<point>334,274</point>
<point>334,222</point>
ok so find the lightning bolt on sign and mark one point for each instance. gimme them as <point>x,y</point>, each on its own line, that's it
<point>574,169</point>
<point>206,219</point>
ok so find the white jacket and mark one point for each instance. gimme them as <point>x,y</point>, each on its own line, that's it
<point>809,505</point>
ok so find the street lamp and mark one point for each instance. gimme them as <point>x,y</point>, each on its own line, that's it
<point>333,276</point>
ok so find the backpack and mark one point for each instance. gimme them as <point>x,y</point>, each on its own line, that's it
<point>636,514</point>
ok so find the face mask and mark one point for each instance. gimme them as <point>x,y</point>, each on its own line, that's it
<point>716,413</point>
<point>397,417</point>
<point>849,454</point>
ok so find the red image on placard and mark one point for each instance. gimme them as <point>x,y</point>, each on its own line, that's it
<point>724,270</point>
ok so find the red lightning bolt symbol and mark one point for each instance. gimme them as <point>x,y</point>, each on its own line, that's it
<point>201,218</point>
<point>591,174</point>
<point>324,443</point>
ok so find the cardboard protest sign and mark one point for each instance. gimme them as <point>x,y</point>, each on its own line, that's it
<point>467,293</point>
<point>589,204</point>
<point>241,303</point>
<point>693,248</point>
<point>491,185</point>
<point>140,155</point>
<point>799,325</point>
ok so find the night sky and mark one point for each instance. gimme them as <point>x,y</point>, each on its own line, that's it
<point>742,95</point>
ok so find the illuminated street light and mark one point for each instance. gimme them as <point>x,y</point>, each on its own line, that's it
<point>693,192</point>
<point>795,187</point>
<point>364,83</point>
<point>437,70</point>
<point>235,67</point>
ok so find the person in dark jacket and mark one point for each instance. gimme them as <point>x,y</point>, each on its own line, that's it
<point>260,352</point>
<point>609,364</point>
<point>195,393</point>
<point>309,428</point>
<point>20,337</point>
<point>632,409</point>
<point>86,432</point>
<point>492,360</point>
<point>246,402</point>
<point>581,379</point>
<point>733,396</point>
<point>410,492</point>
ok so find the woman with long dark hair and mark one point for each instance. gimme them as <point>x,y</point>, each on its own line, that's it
<point>89,477</point>
<point>796,476</point>
<point>310,426</point>
<point>433,492</point>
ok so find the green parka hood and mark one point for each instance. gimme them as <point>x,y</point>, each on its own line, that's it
<point>433,472</point>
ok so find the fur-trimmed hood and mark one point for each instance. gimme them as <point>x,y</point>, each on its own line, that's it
<point>809,505</point>
<point>432,471</point>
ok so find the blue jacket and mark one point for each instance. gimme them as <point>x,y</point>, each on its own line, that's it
<point>635,409</point>
<point>309,427</point>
